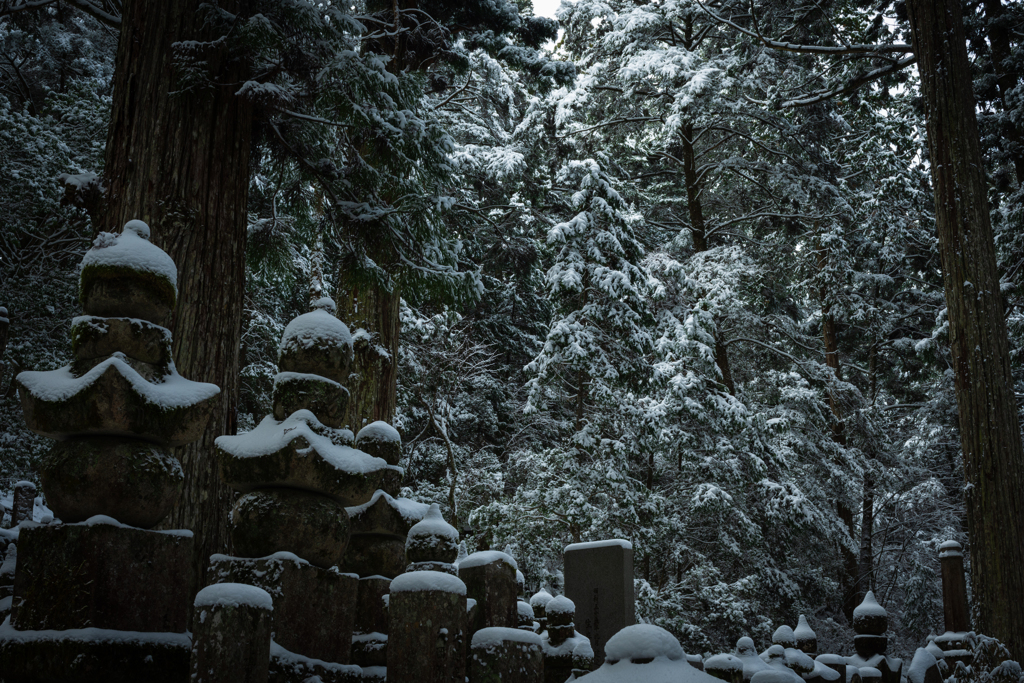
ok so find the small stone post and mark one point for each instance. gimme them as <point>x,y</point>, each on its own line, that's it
<point>490,578</point>
<point>954,587</point>
<point>427,628</point>
<point>231,641</point>
<point>506,655</point>
<point>24,502</point>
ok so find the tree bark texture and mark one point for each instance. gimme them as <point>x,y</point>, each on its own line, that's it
<point>181,164</point>
<point>374,376</point>
<point>989,431</point>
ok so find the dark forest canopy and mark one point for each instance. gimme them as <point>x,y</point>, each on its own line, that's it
<point>670,273</point>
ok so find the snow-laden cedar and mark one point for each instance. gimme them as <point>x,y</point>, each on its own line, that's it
<point>234,595</point>
<point>428,581</point>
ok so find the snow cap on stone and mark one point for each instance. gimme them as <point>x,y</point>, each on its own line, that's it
<point>784,636</point>
<point>540,599</point>
<point>428,581</point>
<point>642,641</point>
<point>559,605</point>
<point>131,250</point>
<point>745,646</point>
<point>432,539</point>
<point>314,329</point>
<point>803,629</point>
<point>234,595</point>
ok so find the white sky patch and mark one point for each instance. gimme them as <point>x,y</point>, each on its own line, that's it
<point>546,8</point>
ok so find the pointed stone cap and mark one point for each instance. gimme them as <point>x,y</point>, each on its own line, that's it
<point>806,638</point>
<point>127,276</point>
<point>317,343</point>
<point>870,618</point>
<point>299,453</point>
<point>112,399</point>
<point>745,646</point>
<point>433,539</point>
<point>386,516</point>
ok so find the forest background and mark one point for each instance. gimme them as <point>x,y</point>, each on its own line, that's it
<point>651,277</point>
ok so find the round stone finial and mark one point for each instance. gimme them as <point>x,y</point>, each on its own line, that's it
<point>946,549</point>
<point>540,599</point>
<point>325,303</point>
<point>870,618</point>
<point>137,227</point>
<point>432,539</point>
<point>380,440</point>
<point>316,343</point>
<point>784,636</point>
<point>745,646</point>
<point>642,642</point>
<point>560,611</point>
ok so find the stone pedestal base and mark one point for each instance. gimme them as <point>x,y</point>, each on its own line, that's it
<point>93,655</point>
<point>104,575</point>
<point>314,608</point>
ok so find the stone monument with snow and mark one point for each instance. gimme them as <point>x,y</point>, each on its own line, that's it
<point>115,413</point>
<point>599,581</point>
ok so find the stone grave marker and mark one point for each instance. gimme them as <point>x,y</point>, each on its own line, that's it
<point>599,580</point>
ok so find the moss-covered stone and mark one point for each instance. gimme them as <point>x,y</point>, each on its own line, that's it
<point>318,357</point>
<point>120,291</point>
<point>386,516</point>
<point>300,467</point>
<point>135,482</point>
<point>111,405</point>
<point>380,440</point>
<point>314,608</point>
<point>392,483</point>
<point>373,555</point>
<point>327,399</point>
<point>231,637</point>
<point>101,575</point>
<point>94,337</point>
<point>371,609</point>
<point>312,526</point>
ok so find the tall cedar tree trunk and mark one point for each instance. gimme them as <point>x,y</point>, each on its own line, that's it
<point>374,392</point>
<point>181,164</point>
<point>989,430</point>
<point>830,340</point>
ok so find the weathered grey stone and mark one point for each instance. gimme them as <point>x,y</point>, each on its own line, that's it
<point>112,405</point>
<point>582,659</point>
<point>868,646</point>
<point>373,555</point>
<point>93,337</point>
<point>231,634</point>
<point>599,580</point>
<point>297,466</point>
<point>505,655</point>
<point>490,579</point>
<point>392,483</point>
<point>312,526</point>
<point>806,639</point>
<point>381,440</point>
<point>955,611</point>
<point>24,502</point>
<point>77,575</point>
<point>93,657</point>
<point>725,667</point>
<point>324,397</point>
<point>526,617</point>
<point>370,649</point>
<point>869,618</point>
<point>115,291</point>
<point>427,630</point>
<point>371,610</point>
<point>539,603</point>
<point>386,516</point>
<point>314,608</point>
<point>444,567</point>
<point>135,482</point>
<point>432,539</point>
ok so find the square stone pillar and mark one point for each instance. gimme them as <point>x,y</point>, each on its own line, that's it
<point>599,580</point>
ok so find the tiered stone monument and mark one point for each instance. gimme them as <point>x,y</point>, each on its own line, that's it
<point>115,413</point>
<point>428,621</point>
<point>599,581</point>
<point>296,473</point>
<point>870,622</point>
<point>560,639</point>
<point>953,642</point>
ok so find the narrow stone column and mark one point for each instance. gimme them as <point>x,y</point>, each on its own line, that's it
<point>506,655</point>
<point>24,502</point>
<point>490,578</point>
<point>954,587</point>
<point>427,628</point>
<point>231,637</point>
